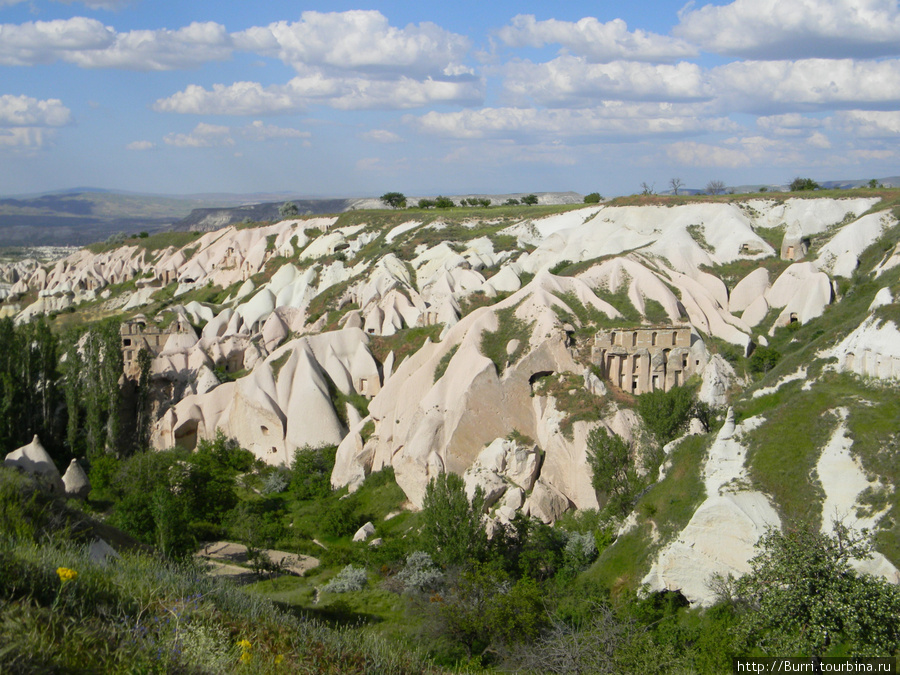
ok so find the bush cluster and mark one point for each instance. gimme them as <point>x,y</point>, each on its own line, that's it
<point>347,580</point>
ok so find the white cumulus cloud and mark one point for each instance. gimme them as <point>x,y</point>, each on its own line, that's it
<point>788,124</point>
<point>203,136</point>
<point>90,44</point>
<point>571,81</point>
<point>162,49</point>
<point>806,85</point>
<point>358,40</point>
<point>596,41</point>
<point>776,29</point>
<point>22,111</point>
<point>869,123</point>
<point>315,88</point>
<point>611,120</point>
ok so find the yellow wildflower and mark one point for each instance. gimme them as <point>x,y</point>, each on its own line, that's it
<point>244,644</point>
<point>66,574</point>
<point>279,658</point>
<point>245,657</point>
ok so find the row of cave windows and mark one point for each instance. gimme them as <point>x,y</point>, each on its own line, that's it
<point>636,363</point>
<point>654,338</point>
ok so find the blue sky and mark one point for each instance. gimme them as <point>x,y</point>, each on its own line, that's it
<point>351,99</point>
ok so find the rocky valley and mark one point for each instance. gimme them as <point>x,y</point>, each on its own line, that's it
<point>508,344</point>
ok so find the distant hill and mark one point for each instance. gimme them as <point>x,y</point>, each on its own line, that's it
<point>207,219</point>
<point>80,216</point>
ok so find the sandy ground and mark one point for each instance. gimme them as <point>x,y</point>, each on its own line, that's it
<point>221,553</point>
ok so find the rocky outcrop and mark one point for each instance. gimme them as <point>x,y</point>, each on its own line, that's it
<point>75,481</point>
<point>35,460</point>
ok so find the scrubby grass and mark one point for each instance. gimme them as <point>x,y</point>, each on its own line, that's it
<point>155,242</point>
<point>783,451</point>
<point>494,343</point>
<point>477,300</point>
<point>403,342</point>
<point>441,367</point>
<point>786,448</point>
<point>731,273</point>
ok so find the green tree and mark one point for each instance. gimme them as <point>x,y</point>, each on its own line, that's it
<point>426,203</point>
<point>311,472</point>
<point>485,610</point>
<point>802,597</point>
<point>396,200</point>
<point>530,200</point>
<point>666,413</point>
<point>800,184</point>
<point>452,531</point>
<point>763,359</point>
<point>444,202</point>
<point>288,210</point>
<point>511,202</point>
<point>613,473</point>
<point>142,401</point>
<point>92,370</point>
<point>30,391</point>
<point>592,198</point>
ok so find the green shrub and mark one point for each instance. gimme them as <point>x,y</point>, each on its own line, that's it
<point>347,580</point>
<point>666,413</point>
<point>341,519</point>
<point>311,472</point>
<point>763,359</point>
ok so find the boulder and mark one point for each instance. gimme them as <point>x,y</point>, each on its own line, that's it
<point>546,502</point>
<point>363,533</point>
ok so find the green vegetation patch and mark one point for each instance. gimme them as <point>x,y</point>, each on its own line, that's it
<point>578,404</point>
<point>155,242</point>
<point>509,327</point>
<point>441,367</point>
<point>404,342</point>
<point>698,234</point>
<point>784,450</point>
